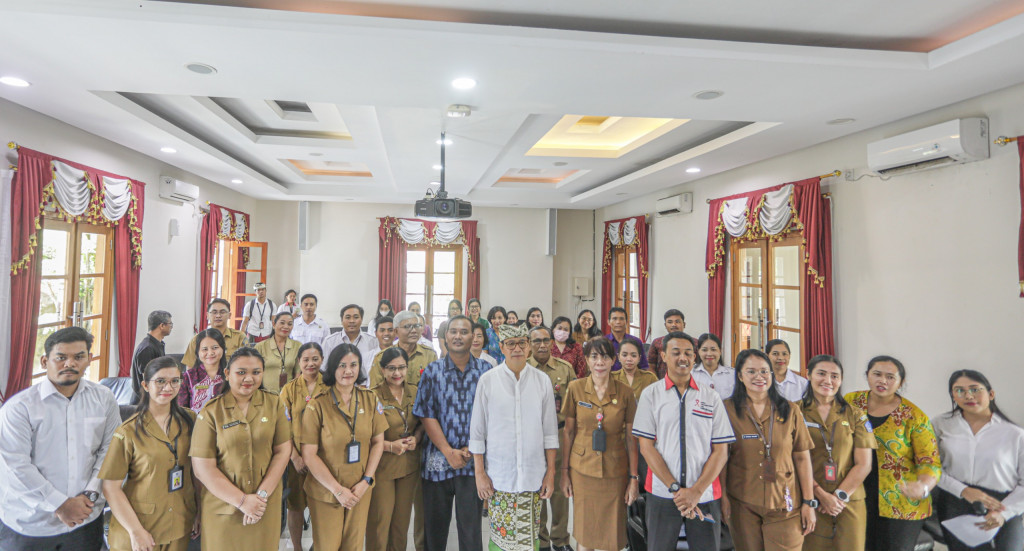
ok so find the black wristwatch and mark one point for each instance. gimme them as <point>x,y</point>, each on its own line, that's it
<point>674,487</point>
<point>812,503</point>
<point>843,496</point>
<point>368,480</point>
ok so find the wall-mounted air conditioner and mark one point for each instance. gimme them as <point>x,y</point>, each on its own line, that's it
<point>682,203</point>
<point>176,190</point>
<point>954,142</point>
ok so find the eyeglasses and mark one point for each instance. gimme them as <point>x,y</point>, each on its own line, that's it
<point>395,367</point>
<point>540,342</point>
<point>412,326</point>
<point>515,344</point>
<point>160,383</point>
<point>973,391</point>
<point>219,312</point>
<point>754,372</point>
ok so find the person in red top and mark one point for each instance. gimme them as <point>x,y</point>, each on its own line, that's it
<point>674,321</point>
<point>565,348</point>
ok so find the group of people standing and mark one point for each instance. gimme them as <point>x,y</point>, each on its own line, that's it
<point>369,431</point>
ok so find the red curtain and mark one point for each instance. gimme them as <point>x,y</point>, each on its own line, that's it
<point>813,219</point>
<point>391,270</point>
<point>473,248</point>
<point>32,192</point>
<point>642,269</point>
<point>214,228</point>
<point>1020,232</point>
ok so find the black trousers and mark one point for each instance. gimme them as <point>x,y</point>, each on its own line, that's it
<point>1009,538</point>
<point>889,534</point>
<point>437,514</point>
<point>664,522</point>
<point>88,537</point>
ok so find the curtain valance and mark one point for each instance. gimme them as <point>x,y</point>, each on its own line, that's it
<point>626,232</point>
<point>418,232</point>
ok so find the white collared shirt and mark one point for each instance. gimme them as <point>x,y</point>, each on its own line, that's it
<point>707,423</point>
<point>51,449</point>
<point>304,332</point>
<point>489,359</point>
<point>259,313</point>
<point>992,459</point>
<point>365,342</point>
<point>506,415</point>
<point>722,381</point>
<point>793,387</point>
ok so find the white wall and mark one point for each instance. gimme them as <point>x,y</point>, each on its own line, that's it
<point>577,256</point>
<point>925,264</point>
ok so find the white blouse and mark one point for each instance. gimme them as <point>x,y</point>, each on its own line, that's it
<point>993,458</point>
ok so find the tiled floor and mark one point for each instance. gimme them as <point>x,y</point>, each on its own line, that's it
<point>453,538</point>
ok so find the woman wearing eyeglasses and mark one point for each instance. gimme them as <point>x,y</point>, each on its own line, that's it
<point>398,475</point>
<point>769,502</point>
<point>147,476</point>
<point>983,462</point>
<point>906,465</point>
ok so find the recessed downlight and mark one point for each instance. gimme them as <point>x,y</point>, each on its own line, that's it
<point>14,81</point>
<point>316,154</point>
<point>435,183</point>
<point>236,180</point>
<point>838,122</point>
<point>201,68</point>
<point>168,150</point>
<point>709,94</point>
<point>463,83</point>
<point>693,170</point>
<point>446,142</point>
<point>438,167</point>
<point>559,163</point>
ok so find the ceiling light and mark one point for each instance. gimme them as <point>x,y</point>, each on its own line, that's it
<point>458,111</point>
<point>622,193</point>
<point>446,142</point>
<point>438,167</point>
<point>314,154</point>
<point>463,83</point>
<point>14,81</point>
<point>168,150</point>
<point>837,122</point>
<point>201,68</point>
<point>236,181</point>
<point>559,163</point>
<point>435,183</point>
<point>709,94</point>
<point>693,170</point>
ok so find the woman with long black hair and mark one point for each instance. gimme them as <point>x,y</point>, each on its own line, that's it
<point>586,327</point>
<point>202,381</point>
<point>982,461</point>
<point>147,476</point>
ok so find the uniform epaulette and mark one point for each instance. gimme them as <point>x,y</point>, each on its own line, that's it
<point>560,360</point>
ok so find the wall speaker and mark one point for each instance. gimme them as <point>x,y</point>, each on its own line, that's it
<point>304,225</point>
<point>552,232</point>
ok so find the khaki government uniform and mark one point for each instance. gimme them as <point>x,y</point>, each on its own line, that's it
<point>233,340</point>
<point>398,476</point>
<point>762,517</point>
<point>847,531</point>
<point>561,373</point>
<point>599,479</point>
<point>335,527</point>
<point>243,447</point>
<point>642,379</point>
<point>295,396</point>
<point>418,361</point>
<point>277,366</point>
<point>145,460</point>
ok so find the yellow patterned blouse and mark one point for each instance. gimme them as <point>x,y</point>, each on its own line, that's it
<point>907,449</point>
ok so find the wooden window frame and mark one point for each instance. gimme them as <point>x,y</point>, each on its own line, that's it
<point>428,276</point>
<point>623,273</point>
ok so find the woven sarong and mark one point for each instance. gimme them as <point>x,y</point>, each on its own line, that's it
<point>515,521</point>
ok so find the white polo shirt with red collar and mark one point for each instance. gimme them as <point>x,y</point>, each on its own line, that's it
<point>657,418</point>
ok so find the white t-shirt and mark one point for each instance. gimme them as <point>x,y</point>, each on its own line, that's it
<point>261,317</point>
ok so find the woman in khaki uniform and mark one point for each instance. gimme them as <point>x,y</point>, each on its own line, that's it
<point>295,395</point>
<point>841,457</point>
<point>635,378</point>
<point>240,448</point>
<point>147,477</point>
<point>342,442</point>
<point>597,471</point>
<point>769,502</point>
<point>280,353</point>
<point>398,475</point>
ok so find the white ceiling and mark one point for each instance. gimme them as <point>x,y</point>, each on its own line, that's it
<point>381,72</point>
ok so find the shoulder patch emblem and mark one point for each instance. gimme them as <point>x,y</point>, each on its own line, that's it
<point>380,408</point>
<point>119,436</point>
<point>199,416</point>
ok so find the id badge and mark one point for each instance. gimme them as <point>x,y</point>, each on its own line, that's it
<point>768,469</point>
<point>830,471</point>
<point>600,440</point>
<point>352,452</point>
<point>176,479</point>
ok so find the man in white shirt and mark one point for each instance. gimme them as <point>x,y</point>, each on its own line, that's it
<point>682,480</point>
<point>53,438</point>
<point>258,314</point>
<point>309,327</point>
<point>352,333</point>
<point>514,463</point>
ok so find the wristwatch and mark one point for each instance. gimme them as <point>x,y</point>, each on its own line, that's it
<point>634,477</point>
<point>674,487</point>
<point>845,497</point>
<point>812,503</point>
<point>262,494</point>
<point>91,495</point>
<point>368,480</point>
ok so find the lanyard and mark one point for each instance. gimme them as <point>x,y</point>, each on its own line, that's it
<point>174,449</point>
<point>256,304</point>
<point>828,441</point>
<point>405,424</point>
<point>771,430</point>
<point>351,422</point>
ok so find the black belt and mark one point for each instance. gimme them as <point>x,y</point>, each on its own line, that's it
<point>561,425</point>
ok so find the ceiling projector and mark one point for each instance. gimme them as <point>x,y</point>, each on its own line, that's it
<point>438,205</point>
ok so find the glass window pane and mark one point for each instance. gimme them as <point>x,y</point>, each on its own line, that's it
<point>750,303</point>
<point>93,253</point>
<point>416,284</point>
<point>634,290</point>
<point>409,299</point>
<point>416,261</point>
<point>786,265</point>
<point>632,264</point>
<point>793,340</point>
<point>55,252</point>
<point>41,336</point>
<point>749,336</point>
<point>444,284</point>
<point>51,301</point>
<point>750,266</point>
<point>444,262</point>
<point>634,313</point>
<point>440,307</point>
<point>95,326</point>
<point>786,308</point>
<point>90,294</point>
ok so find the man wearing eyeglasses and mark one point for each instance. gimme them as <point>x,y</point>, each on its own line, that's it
<point>218,316</point>
<point>408,329</point>
<point>151,348</point>
<point>561,373</point>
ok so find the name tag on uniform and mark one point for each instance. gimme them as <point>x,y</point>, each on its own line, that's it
<point>176,479</point>
<point>390,407</point>
<point>202,387</point>
<point>812,425</point>
<point>231,424</point>
<point>584,404</point>
<point>750,436</point>
<point>352,452</point>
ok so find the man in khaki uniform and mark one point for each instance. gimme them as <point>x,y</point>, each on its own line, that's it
<point>218,315</point>
<point>408,329</point>
<point>561,373</point>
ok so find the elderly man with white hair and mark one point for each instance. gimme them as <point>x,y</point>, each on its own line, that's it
<point>408,328</point>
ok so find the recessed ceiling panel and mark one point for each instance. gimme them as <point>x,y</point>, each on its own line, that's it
<point>340,169</point>
<point>537,178</point>
<point>601,137</point>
